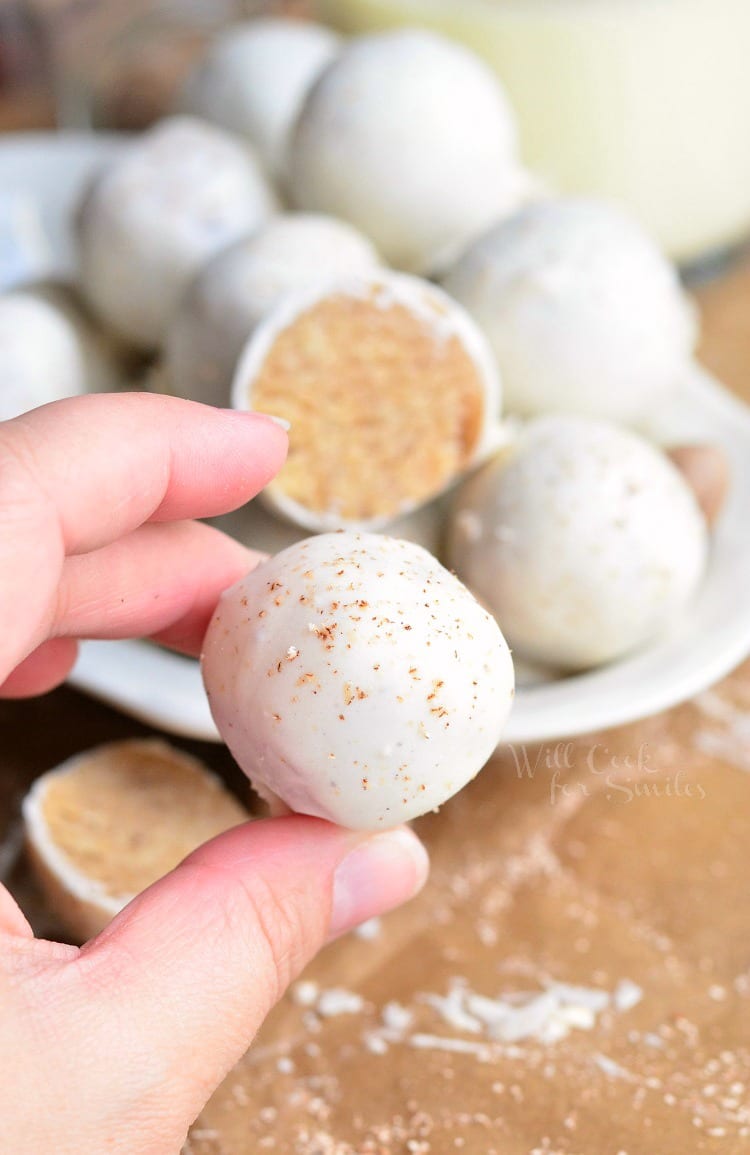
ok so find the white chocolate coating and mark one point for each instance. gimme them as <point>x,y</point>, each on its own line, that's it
<point>425,301</point>
<point>583,539</point>
<point>235,290</point>
<point>182,192</point>
<point>357,680</point>
<point>41,358</point>
<point>410,137</point>
<point>255,78</point>
<point>585,315</point>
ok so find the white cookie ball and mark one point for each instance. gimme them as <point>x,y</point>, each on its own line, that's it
<point>357,680</point>
<point>235,290</point>
<point>254,80</point>
<point>41,358</point>
<point>410,137</point>
<point>583,311</point>
<point>180,193</point>
<point>583,539</point>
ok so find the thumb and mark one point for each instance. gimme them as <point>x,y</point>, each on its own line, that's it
<point>193,965</point>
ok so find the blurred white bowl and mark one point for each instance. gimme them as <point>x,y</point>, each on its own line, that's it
<point>41,177</point>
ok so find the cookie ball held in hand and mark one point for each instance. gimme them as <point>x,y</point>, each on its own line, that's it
<point>410,137</point>
<point>391,392</point>
<point>239,286</point>
<point>178,195</point>
<point>583,311</point>
<point>41,355</point>
<point>583,539</point>
<point>254,79</point>
<point>356,680</point>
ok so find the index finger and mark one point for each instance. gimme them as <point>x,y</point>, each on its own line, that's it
<point>80,474</point>
<point>107,463</point>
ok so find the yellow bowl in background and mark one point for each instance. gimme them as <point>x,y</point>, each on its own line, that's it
<point>644,101</point>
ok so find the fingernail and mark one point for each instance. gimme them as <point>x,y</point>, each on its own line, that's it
<point>280,421</point>
<point>377,876</point>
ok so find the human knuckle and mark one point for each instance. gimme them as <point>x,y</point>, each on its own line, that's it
<point>276,920</point>
<point>21,493</point>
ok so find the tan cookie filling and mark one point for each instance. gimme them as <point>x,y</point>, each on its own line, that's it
<point>386,408</point>
<point>131,812</point>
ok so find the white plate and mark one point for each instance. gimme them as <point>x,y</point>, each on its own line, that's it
<point>41,177</point>
<point>711,640</point>
<point>166,691</point>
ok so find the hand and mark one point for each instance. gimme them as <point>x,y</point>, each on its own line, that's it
<point>116,1047</point>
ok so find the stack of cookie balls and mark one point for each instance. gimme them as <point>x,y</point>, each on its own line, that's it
<point>341,234</point>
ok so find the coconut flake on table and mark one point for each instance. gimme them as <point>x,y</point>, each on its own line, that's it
<point>369,931</point>
<point>546,1016</point>
<point>337,1001</point>
<point>730,740</point>
<point>327,1003</point>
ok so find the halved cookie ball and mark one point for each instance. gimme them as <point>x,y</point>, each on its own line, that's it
<point>391,392</point>
<point>109,822</point>
<point>235,291</point>
<point>179,194</point>
<point>356,680</point>
<point>583,539</point>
